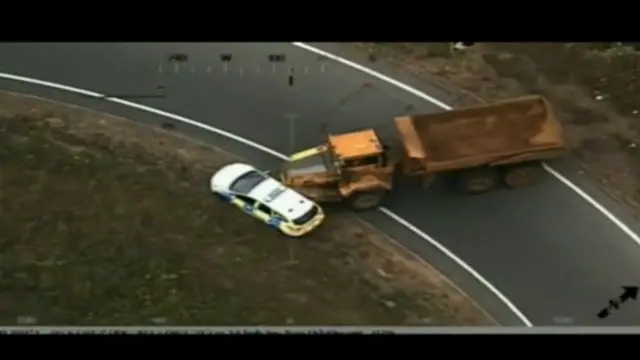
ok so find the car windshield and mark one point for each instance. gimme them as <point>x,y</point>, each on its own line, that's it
<point>307,216</point>
<point>245,183</point>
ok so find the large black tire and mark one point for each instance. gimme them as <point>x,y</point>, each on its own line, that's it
<point>478,181</point>
<point>523,174</point>
<point>366,200</point>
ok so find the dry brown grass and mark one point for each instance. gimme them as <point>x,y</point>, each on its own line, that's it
<point>104,222</point>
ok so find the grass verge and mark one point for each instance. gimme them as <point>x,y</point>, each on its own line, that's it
<point>105,222</point>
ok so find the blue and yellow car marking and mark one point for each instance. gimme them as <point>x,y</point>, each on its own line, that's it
<point>248,209</point>
<point>272,220</point>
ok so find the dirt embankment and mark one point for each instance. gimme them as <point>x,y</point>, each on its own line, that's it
<point>593,87</point>
<point>105,222</point>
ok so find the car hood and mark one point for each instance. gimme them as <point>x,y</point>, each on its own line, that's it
<point>287,202</point>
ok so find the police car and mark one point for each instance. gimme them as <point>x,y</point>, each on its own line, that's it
<point>266,199</point>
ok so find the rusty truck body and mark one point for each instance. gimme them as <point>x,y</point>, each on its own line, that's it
<point>482,146</point>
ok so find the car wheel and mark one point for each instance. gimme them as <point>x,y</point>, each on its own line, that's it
<point>220,197</point>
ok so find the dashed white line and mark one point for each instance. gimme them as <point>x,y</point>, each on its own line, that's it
<point>278,155</point>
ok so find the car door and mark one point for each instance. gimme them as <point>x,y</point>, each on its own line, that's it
<point>276,219</point>
<point>263,212</point>
<point>245,203</point>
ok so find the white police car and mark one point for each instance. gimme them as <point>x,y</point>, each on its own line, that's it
<point>266,199</point>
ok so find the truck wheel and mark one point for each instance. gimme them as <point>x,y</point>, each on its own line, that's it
<point>477,181</point>
<point>366,200</point>
<point>523,174</point>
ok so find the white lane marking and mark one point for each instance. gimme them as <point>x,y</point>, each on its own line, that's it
<point>143,108</point>
<point>444,106</point>
<point>276,154</point>
<point>476,275</point>
<point>608,214</point>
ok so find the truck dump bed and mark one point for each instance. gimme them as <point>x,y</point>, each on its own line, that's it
<point>483,134</point>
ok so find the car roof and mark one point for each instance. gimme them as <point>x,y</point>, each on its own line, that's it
<point>225,176</point>
<point>281,199</point>
<point>270,192</point>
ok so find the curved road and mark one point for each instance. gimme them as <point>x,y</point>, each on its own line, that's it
<point>553,255</point>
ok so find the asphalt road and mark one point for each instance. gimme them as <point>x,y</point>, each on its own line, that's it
<point>554,256</point>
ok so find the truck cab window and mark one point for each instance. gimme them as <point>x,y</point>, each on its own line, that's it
<point>370,160</point>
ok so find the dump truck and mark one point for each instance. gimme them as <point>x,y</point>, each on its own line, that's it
<point>483,147</point>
